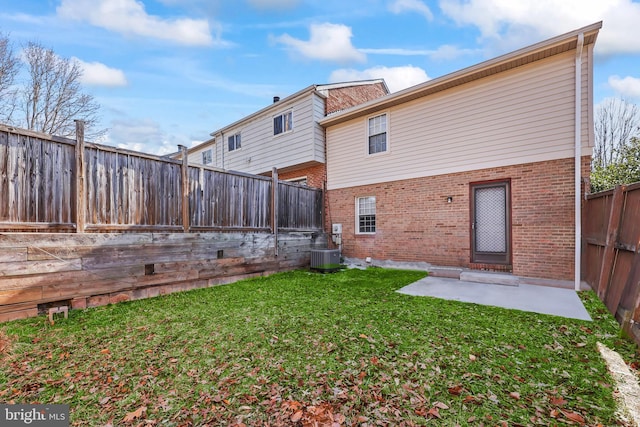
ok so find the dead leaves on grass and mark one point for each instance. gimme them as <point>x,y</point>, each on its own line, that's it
<point>395,391</point>
<point>321,415</point>
<point>5,342</point>
<point>138,413</point>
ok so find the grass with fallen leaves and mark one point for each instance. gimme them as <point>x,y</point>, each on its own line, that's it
<point>300,348</point>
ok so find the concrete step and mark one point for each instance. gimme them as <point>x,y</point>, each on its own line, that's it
<point>447,272</point>
<point>489,277</point>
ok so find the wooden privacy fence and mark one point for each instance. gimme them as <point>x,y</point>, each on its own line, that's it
<point>611,252</point>
<point>121,190</point>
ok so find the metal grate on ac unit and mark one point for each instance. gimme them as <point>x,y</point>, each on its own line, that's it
<point>325,260</point>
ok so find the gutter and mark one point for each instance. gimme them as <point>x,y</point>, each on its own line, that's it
<point>578,162</point>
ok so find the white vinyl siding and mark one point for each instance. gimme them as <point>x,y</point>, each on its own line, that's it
<point>518,116</point>
<point>262,151</point>
<point>197,157</point>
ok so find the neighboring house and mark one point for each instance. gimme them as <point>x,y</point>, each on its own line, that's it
<point>473,169</point>
<point>286,134</point>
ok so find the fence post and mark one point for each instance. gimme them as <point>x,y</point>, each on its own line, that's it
<point>184,169</point>
<point>608,256</point>
<point>274,208</point>
<point>79,182</point>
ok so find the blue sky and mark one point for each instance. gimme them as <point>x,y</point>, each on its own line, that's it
<point>169,72</point>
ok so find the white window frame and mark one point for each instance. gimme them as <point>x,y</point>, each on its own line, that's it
<point>301,180</point>
<point>286,125</point>
<point>210,157</point>
<point>369,134</point>
<point>359,214</point>
<point>237,142</point>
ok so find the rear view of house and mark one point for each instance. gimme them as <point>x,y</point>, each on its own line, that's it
<point>480,168</point>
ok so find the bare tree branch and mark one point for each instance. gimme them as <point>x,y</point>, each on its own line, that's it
<point>52,96</point>
<point>616,123</point>
<point>9,67</point>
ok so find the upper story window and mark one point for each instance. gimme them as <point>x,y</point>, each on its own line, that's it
<point>234,142</point>
<point>378,134</point>
<point>283,123</point>
<point>366,214</point>
<point>207,157</point>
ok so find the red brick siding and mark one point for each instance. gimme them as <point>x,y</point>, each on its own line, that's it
<point>341,98</point>
<point>414,222</point>
<point>316,175</point>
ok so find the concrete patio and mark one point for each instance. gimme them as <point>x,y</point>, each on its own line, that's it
<point>545,296</point>
<point>535,298</point>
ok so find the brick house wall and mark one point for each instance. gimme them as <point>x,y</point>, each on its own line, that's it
<point>345,97</point>
<point>316,175</point>
<point>414,221</point>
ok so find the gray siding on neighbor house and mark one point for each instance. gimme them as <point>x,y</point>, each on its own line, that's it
<point>318,131</point>
<point>195,157</point>
<point>518,116</point>
<point>261,151</point>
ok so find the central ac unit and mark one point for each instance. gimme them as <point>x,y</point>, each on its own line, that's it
<point>325,260</point>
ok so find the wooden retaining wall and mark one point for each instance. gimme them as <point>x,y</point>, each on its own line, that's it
<point>39,271</point>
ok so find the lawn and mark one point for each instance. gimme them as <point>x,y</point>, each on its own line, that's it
<point>300,347</point>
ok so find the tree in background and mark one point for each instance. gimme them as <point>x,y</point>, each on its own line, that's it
<point>616,156</point>
<point>52,96</point>
<point>625,170</point>
<point>9,67</point>
<point>48,97</point>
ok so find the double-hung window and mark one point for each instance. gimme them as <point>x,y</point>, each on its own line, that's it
<point>366,214</point>
<point>206,157</point>
<point>283,123</point>
<point>378,134</point>
<point>234,142</point>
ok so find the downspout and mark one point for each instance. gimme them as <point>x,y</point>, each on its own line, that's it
<point>578,163</point>
<point>222,148</point>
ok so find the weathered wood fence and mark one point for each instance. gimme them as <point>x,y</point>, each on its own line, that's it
<point>611,252</point>
<point>49,183</point>
<point>83,225</point>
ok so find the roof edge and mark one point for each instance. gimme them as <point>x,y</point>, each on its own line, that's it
<point>296,95</point>
<point>411,92</point>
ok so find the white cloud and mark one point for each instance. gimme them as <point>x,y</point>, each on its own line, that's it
<point>510,24</point>
<point>444,52</point>
<point>397,78</point>
<point>627,87</point>
<point>98,74</point>
<point>130,17</point>
<point>400,6</point>
<point>274,4</point>
<point>447,52</point>
<point>327,42</point>
<point>143,135</point>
